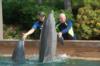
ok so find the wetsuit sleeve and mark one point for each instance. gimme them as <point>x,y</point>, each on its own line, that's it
<point>67,28</point>
<point>35,26</point>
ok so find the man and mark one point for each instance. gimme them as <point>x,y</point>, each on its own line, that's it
<point>36,25</point>
<point>64,28</point>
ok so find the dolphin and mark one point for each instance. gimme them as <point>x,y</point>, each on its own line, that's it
<point>18,54</point>
<point>48,40</point>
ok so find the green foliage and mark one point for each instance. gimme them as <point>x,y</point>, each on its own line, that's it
<point>22,13</point>
<point>88,23</point>
<point>12,32</point>
<point>79,3</point>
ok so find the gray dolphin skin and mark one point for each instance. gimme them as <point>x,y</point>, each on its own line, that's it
<point>48,40</point>
<point>18,55</point>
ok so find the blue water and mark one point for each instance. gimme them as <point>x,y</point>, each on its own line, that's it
<point>62,62</point>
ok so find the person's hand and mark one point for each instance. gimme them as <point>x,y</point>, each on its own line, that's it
<point>60,34</point>
<point>60,38</point>
<point>24,36</point>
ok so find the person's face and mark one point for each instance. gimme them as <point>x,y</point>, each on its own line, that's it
<point>62,18</point>
<point>42,18</point>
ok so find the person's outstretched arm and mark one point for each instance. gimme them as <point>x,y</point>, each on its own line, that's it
<point>28,33</point>
<point>34,27</point>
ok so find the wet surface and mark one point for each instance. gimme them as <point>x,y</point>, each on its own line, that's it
<point>5,61</point>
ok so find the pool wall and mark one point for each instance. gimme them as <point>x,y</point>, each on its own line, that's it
<point>77,48</point>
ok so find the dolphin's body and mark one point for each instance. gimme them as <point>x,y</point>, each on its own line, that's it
<point>18,53</point>
<point>48,40</point>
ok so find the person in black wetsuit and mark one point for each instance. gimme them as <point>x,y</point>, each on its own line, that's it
<point>65,28</point>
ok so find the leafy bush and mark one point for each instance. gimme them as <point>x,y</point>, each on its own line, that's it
<point>22,13</point>
<point>12,32</point>
<point>88,23</point>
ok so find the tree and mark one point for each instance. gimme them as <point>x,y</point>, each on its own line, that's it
<point>67,5</point>
<point>39,1</point>
<point>1,24</point>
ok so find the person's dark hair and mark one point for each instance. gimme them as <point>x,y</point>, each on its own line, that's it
<point>41,14</point>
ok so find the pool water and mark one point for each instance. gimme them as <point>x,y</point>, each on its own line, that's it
<point>5,61</point>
